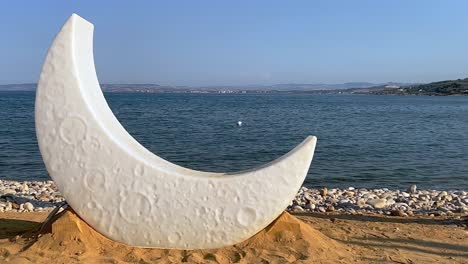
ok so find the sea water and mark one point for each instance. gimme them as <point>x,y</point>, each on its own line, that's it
<point>363,140</point>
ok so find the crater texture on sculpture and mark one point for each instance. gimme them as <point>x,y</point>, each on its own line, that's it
<point>128,193</point>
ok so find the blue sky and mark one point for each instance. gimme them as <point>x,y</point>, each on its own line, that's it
<point>246,42</point>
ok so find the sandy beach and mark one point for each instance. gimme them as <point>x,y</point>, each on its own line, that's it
<point>320,226</point>
<point>298,238</point>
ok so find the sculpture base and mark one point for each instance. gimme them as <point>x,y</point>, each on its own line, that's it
<point>287,239</point>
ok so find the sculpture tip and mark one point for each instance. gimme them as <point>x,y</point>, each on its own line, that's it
<point>78,19</point>
<point>311,138</point>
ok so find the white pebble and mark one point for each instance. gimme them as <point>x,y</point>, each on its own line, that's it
<point>29,206</point>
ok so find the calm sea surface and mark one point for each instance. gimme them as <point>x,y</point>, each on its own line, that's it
<point>363,141</point>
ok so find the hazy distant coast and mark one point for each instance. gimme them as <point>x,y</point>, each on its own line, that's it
<point>442,88</point>
<point>156,88</point>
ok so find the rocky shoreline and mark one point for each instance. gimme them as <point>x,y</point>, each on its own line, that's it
<point>36,196</point>
<point>412,202</point>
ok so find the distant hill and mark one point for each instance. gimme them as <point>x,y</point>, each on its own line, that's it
<point>449,87</point>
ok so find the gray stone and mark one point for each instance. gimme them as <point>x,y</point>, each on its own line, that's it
<point>390,202</point>
<point>308,197</point>
<point>297,208</point>
<point>343,201</point>
<point>377,203</point>
<point>448,197</point>
<point>28,206</point>
<point>361,202</point>
<point>463,210</point>
<point>8,191</point>
<point>324,192</point>
<point>9,207</point>
<point>412,189</point>
<point>398,213</point>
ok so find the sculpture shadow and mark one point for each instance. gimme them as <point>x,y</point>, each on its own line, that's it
<point>415,245</point>
<point>387,219</point>
<point>10,228</point>
<point>408,244</point>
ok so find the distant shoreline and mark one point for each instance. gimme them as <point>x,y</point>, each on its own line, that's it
<point>258,93</point>
<point>442,88</point>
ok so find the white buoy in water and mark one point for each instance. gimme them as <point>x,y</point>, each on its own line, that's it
<point>239,123</point>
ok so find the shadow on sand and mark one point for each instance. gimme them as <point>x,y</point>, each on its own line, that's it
<point>416,245</point>
<point>388,219</point>
<point>10,228</point>
<point>409,244</point>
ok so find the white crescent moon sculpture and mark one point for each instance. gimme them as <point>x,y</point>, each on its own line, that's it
<point>126,192</point>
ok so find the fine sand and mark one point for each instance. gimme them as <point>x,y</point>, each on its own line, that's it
<point>303,238</point>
